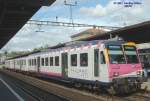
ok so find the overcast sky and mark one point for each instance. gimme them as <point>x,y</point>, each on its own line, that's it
<point>98,12</point>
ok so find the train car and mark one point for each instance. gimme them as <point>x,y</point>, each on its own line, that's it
<point>10,64</point>
<point>110,64</point>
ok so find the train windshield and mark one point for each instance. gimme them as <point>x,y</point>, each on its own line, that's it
<point>116,55</point>
<point>131,54</point>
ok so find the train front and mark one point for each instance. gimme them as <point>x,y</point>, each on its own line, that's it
<point>125,70</point>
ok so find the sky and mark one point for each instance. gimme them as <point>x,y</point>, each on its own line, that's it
<point>97,12</point>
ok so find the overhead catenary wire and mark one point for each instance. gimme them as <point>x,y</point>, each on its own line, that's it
<point>66,24</point>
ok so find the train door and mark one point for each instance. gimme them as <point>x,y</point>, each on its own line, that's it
<point>64,64</point>
<point>14,64</point>
<point>96,63</point>
<point>103,66</point>
<point>38,64</point>
<point>20,64</point>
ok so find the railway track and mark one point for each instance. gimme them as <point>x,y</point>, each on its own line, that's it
<point>36,93</point>
<point>140,96</point>
<point>137,96</point>
<point>102,96</point>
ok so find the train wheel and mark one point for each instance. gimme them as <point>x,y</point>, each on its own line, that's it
<point>78,85</point>
<point>138,87</point>
<point>126,89</point>
<point>111,90</point>
<point>96,86</point>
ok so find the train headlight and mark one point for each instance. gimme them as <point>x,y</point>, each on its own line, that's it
<point>116,74</point>
<point>138,73</point>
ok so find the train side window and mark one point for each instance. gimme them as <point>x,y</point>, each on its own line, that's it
<point>35,62</point>
<point>102,58</point>
<point>51,61</point>
<point>74,60</point>
<point>84,59</point>
<point>32,62</point>
<point>28,62</point>
<point>42,62</point>
<point>56,60</point>
<point>19,62</point>
<point>24,62</point>
<point>46,61</point>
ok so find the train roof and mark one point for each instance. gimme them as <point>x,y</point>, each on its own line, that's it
<point>24,55</point>
<point>77,44</point>
<point>72,44</point>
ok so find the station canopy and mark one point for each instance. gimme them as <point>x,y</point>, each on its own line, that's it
<point>139,33</point>
<point>15,13</point>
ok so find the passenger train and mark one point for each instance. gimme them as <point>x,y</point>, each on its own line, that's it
<point>103,64</point>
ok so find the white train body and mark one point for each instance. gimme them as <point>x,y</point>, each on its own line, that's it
<point>86,61</point>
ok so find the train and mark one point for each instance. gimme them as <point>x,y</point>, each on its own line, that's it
<point>111,64</point>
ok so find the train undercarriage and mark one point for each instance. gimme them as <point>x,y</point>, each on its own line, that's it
<point>125,85</point>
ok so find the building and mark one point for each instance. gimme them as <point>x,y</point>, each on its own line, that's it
<point>87,34</point>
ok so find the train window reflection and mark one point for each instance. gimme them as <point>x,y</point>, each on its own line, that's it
<point>131,54</point>
<point>57,61</point>
<point>102,58</point>
<point>46,61</point>
<point>42,62</point>
<point>116,55</point>
<point>35,62</point>
<point>51,61</point>
<point>74,60</point>
<point>84,59</point>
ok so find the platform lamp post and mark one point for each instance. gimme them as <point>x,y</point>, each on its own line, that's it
<point>70,6</point>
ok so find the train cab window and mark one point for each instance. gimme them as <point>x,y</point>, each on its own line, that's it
<point>46,61</point>
<point>102,58</point>
<point>84,59</point>
<point>57,61</point>
<point>51,61</point>
<point>131,54</point>
<point>42,61</point>
<point>74,60</point>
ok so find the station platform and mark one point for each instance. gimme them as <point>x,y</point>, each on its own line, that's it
<point>5,92</point>
<point>13,90</point>
<point>9,91</point>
